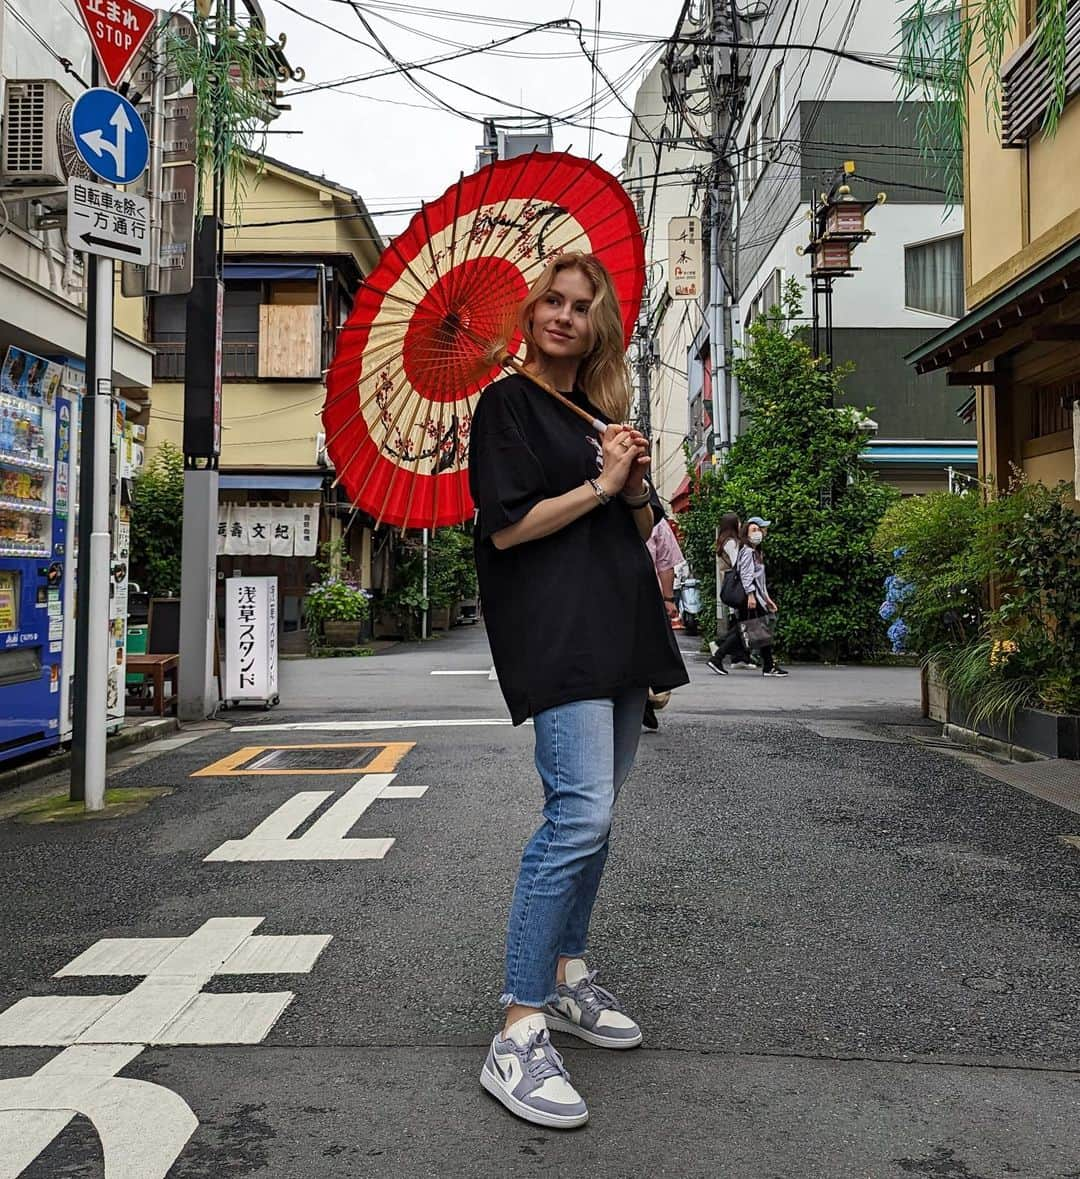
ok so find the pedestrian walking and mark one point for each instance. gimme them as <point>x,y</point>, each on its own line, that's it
<point>751,566</point>
<point>727,554</point>
<point>665,552</point>
<point>578,635</point>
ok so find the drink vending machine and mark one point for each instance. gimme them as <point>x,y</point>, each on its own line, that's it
<point>38,427</point>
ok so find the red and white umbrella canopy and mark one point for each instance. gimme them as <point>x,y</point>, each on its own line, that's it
<point>417,349</point>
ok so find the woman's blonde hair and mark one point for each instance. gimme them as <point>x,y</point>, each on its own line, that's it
<point>603,375</point>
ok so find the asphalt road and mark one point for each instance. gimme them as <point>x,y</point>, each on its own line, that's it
<point>851,954</point>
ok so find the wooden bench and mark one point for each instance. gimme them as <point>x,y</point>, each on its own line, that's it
<point>157,669</point>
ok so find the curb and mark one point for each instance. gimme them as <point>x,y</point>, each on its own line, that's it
<point>138,734</point>
<point>971,739</point>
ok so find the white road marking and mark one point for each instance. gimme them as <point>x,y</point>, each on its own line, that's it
<point>345,726</point>
<point>143,1127</point>
<point>484,672</point>
<point>492,675</point>
<point>328,837</point>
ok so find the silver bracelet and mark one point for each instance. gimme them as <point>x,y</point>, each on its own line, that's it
<point>601,494</point>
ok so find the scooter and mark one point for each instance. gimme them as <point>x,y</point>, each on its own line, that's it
<point>690,604</point>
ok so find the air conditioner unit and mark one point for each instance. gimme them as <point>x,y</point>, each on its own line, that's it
<point>38,148</point>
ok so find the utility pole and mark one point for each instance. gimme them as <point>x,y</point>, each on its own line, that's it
<point>727,87</point>
<point>641,339</point>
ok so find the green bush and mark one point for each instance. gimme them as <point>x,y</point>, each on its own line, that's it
<point>336,596</point>
<point>797,464</point>
<point>1026,650</point>
<point>157,521</point>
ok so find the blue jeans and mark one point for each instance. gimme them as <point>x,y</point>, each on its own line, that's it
<point>584,751</point>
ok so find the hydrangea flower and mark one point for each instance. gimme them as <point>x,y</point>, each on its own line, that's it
<point>897,634</point>
<point>888,609</point>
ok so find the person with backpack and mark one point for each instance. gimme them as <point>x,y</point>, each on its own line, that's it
<point>727,578</point>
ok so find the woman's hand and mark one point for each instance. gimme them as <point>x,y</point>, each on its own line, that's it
<point>751,602</point>
<point>625,456</point>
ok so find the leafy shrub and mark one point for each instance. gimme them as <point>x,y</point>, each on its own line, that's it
<point>336,596</point>
<point>1022,650</point>
<point>157,521</point>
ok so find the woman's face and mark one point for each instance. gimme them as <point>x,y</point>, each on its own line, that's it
<point>560,320</point>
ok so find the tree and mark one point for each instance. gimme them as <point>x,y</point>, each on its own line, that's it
<point>157,515</point>
<point>797,465</point>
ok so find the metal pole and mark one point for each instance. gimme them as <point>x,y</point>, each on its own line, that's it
<point>424,615</point>
<point>716,332</point>
<point>95,540</point>
<point>77,788</point>
<point>96,569</point>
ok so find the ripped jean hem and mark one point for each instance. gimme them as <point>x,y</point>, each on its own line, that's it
<point>509,999</point>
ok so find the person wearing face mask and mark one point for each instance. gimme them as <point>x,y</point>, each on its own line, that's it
<point>751,567</point>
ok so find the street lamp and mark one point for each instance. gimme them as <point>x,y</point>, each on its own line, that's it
<point>838,226</point>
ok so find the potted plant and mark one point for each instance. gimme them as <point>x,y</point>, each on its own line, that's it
<point>335,607</point>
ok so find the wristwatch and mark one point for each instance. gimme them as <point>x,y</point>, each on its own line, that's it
<point>603,496</point>
<point>672,600</point>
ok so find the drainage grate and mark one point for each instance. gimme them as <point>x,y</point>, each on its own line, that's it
<point>343,758</point>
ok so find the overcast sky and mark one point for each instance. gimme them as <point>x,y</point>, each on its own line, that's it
<point>394,144</point>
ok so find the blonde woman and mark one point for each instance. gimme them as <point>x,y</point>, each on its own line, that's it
<point>578,634</point>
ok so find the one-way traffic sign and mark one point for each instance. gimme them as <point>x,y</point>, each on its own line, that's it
<point>109,223</point>
<point>109,135</point>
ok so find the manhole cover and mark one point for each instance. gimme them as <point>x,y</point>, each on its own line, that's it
<point>314,759</point>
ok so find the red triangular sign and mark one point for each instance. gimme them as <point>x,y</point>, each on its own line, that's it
<point>117,30</point>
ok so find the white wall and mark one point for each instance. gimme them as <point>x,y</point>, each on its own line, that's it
<point>874,295</point>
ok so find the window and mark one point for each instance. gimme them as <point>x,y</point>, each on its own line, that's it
<point>767,298</point>
<point>764,135</point>
<point>934,276</point>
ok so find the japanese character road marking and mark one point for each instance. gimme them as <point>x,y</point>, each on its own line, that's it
<point>142,1126</point>
<point>328,837</point>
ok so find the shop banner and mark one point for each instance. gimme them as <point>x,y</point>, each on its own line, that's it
<point>236,535</point>
<point>307,531</point>
<point>283,521</point>
<point>260,530</point>
<point>251,661</point>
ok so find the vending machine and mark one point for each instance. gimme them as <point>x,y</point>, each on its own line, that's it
<point>35,499</point>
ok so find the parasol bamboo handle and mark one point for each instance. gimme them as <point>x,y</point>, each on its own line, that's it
<point>512,362</point>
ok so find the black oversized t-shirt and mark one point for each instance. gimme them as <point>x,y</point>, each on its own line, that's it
<point>576,615</point>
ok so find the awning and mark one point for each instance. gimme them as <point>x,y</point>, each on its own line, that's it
<point>921,454</point>
<point>1029,296</point>
<point>270,482</point>
<point>680,499</point>
<point>270,271</point>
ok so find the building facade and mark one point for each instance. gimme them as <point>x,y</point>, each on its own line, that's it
<point>805,114</point>
<point>290,273</point>
<point>1018,346</point>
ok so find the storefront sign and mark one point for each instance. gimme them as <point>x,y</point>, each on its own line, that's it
<point>251,671</point>
<point>275,530</point>
<point>684,257</point>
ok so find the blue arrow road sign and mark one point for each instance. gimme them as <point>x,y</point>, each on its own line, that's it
<point>109,135</point>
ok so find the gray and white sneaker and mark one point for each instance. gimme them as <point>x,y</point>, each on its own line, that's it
<point>586,1010</point>
<point>526,1073</point>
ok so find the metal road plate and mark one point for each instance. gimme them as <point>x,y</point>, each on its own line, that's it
<point>313,759</point>
<point>176,257</point>
<point>105,221</point>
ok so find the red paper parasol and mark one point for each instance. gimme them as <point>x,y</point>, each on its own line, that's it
<point>417,349</point>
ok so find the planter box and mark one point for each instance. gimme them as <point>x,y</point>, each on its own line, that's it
<point>439,618</point>
<point>935,695</point>
<point>1048,734</point>
<point>346,634</point>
